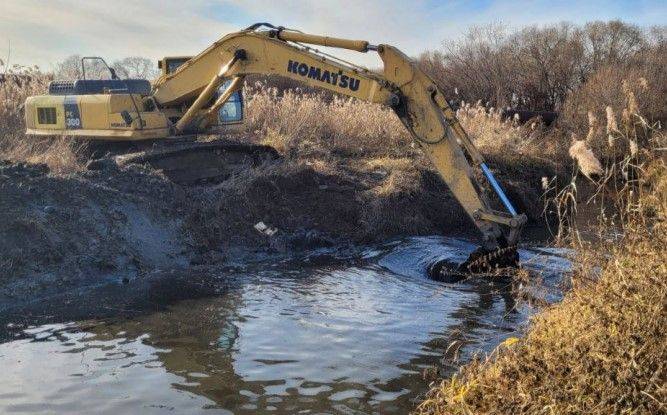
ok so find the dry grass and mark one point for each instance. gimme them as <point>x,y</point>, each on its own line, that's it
<point>18,84</point>
<point>316,124</point>
<point>616,97</point>
<point>603,349</point>
<point>400,175</point>
<point>492,134</point>
<point>307,123</point>
<point>621,168</point>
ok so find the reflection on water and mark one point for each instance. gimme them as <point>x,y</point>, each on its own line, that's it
<point>306,336</point>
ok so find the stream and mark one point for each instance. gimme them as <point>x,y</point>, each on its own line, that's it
<point>339,331</point>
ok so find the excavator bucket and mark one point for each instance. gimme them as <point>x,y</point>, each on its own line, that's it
<point>480,262</point>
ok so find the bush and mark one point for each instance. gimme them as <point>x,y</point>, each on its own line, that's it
<point>638,89</point>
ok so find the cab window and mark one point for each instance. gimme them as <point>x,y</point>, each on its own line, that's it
<point>174,64</point>
<point>232,111</point>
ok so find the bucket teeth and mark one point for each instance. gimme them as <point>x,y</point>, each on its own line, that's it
<point>499,258</point>
<point>480,261</point>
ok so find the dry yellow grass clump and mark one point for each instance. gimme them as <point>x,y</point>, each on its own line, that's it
<point>307,123</point>
<point>494,134</point>
<point>298,122</point>
<point>16,84</point>
<point>602,350</point>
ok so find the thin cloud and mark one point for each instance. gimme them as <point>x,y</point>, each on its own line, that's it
<point>45,32</point>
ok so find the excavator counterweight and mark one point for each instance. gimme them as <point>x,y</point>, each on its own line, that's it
<point>189,96</point>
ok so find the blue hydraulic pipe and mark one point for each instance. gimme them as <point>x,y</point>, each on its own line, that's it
<point>498,189</point>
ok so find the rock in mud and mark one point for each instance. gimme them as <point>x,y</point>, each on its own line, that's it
<point>103,164</point>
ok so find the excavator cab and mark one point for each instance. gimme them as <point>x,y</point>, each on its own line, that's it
<point>231,112</point>
<point>170,64</point>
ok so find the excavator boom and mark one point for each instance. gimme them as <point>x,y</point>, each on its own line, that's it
<point>185,101</point>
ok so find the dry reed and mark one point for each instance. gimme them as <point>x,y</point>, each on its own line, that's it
<point>602,350</point>
<point>493,134</point>
<point>17,84</point>
<point>588,164</point>
<point>310,123</point>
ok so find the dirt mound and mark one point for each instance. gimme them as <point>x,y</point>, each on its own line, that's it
<point>313,202</point>
<point>59,231</point>
<point>95,222</point>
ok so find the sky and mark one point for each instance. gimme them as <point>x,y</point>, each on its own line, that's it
<point>34,32</point>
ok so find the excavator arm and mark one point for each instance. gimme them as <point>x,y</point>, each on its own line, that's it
<point>402,85</point>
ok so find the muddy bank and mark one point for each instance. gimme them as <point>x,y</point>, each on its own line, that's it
<point>93,222</point>
<point>63,232</point>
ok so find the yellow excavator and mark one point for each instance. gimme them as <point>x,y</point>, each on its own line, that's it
<point>201,94</point>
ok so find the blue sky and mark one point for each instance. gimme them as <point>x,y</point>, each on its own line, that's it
<point>42,32</point>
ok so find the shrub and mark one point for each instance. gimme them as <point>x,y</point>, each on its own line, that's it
<point>537,67</point>
<point>609,93</point>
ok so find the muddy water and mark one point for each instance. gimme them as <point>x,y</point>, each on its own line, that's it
<point>340,332</point>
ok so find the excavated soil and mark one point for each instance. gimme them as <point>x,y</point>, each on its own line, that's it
<point>60,232</point>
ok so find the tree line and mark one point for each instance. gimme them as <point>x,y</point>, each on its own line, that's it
<point>538,67</point>
<point>70,68</point>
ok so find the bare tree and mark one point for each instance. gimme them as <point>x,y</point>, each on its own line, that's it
<point>132,67</point>
<point>612,42</point>
<point>479,66</point>
<point>547,64</point>
<point>136,67</point>
<point>70,69</point>
<point>539,66</point>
